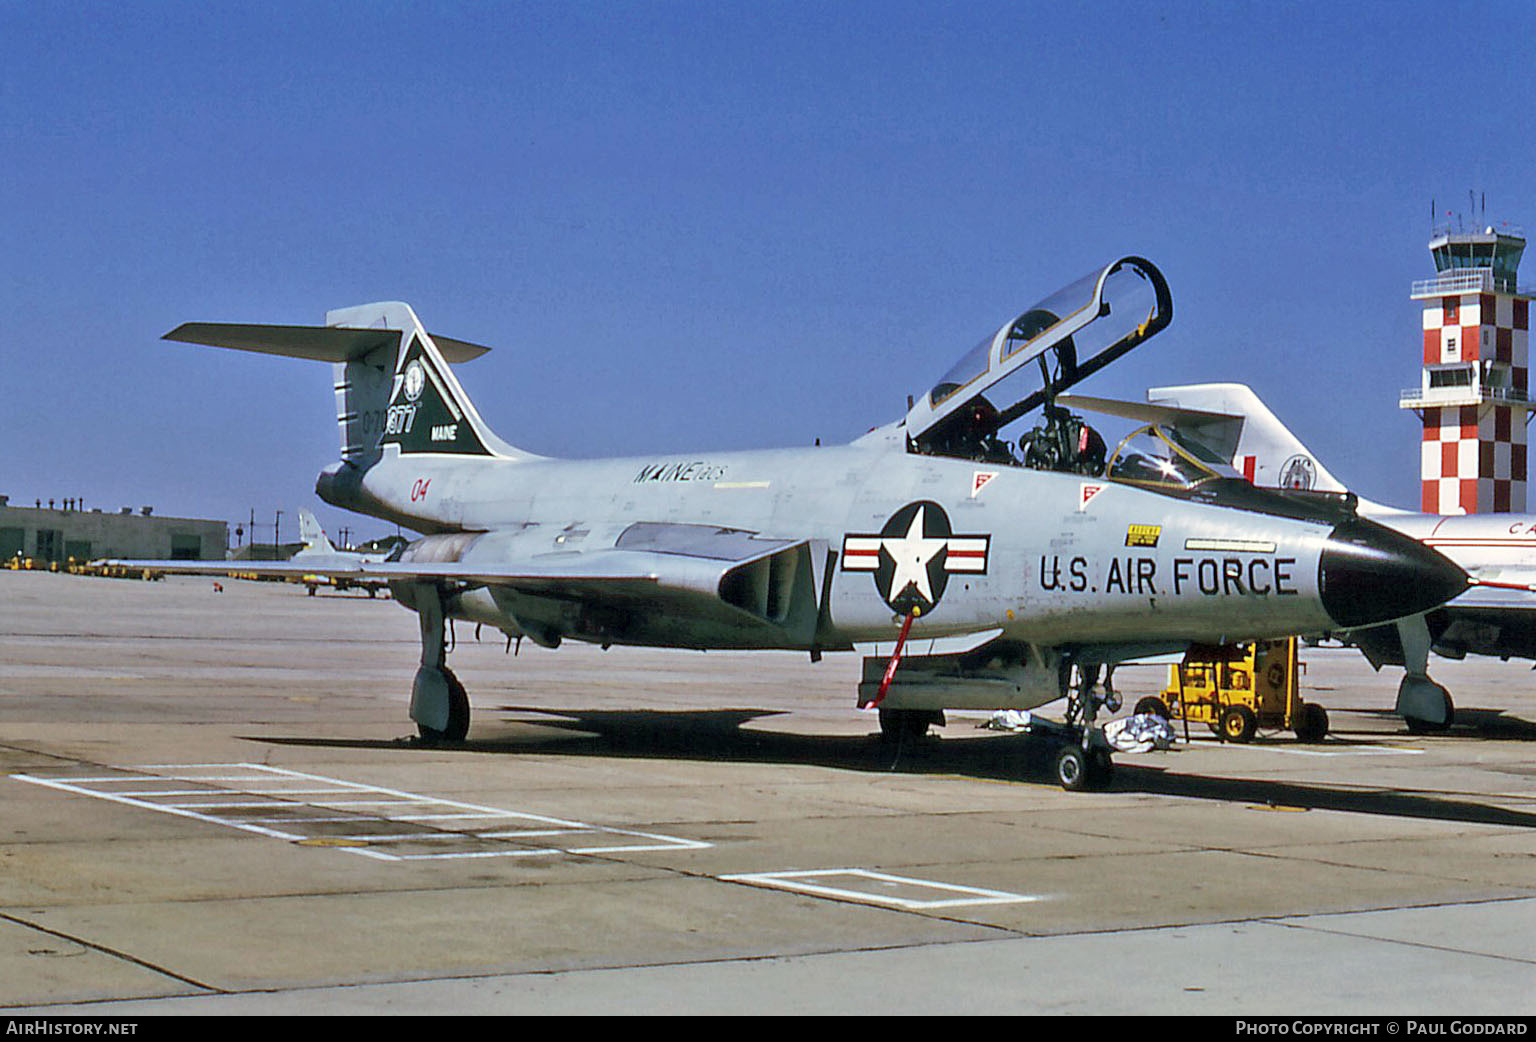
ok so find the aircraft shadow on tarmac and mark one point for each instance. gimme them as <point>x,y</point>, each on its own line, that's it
<point>1485,725</point>
<point>718,735</point>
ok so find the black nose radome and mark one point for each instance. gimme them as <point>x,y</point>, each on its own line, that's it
<point>1370,574</point>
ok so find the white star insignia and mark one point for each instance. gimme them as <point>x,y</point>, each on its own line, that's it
<point>912,553</point>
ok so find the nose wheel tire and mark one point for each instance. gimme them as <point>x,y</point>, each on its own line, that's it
<point>1078,770</point>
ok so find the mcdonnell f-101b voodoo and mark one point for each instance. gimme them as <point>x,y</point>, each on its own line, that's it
<point>972,576</point>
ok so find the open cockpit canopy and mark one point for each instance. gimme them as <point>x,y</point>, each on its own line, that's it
<point>1069,335</point>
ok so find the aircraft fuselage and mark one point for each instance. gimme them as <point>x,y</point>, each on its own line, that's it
<point>1042,557</point>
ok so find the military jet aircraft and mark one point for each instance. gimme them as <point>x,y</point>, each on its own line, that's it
<point>1497,616</point>
<point>330,565</point>
<point>968,580</point>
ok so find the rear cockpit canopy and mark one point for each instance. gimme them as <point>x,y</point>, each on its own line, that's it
<point>1157,457</point>
<point>1068,336</point>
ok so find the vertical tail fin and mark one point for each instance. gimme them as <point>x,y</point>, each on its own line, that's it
<point>407,397</point>
<point>314,537</point>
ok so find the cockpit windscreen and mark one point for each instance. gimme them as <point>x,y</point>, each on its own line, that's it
<point>1156,456</point>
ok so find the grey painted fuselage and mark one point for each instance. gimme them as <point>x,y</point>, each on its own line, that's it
<point>1058,566</point>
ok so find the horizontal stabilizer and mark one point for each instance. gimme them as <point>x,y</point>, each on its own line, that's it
<point>317,343</point>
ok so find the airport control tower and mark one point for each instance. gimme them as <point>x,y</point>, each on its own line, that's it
<point>1474,398</point>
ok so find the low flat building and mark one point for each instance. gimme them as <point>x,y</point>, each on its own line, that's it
<point>59,533</point>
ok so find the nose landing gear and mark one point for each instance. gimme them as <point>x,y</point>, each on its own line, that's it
<point>1083,761</point>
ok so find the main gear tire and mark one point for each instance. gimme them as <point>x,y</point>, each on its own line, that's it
<point>457,728</point>
<point>908,724</point>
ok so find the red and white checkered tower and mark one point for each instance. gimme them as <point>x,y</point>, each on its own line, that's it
<point>1474,399</point>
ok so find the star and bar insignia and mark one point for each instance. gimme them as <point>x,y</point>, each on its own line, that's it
<point>913,556</point>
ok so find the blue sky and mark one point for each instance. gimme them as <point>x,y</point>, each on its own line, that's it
<point>715,225</point>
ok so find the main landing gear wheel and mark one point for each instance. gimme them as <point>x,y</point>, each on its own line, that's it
<point>1154,706</point>
<point>1078,769</point>
<point>457,728</point>
<point>907,724</point>
<point>439,703</point>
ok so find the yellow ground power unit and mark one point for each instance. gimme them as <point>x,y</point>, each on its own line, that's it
<point>1236,689</point>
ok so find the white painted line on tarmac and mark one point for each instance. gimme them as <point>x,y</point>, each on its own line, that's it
<point>527,833</point>
<point>315,800</point>
<point>1348,751</point>
<point>290,817</point>
<point>476,854</point>
<point>266,804</point>
<point>868,887</point>
<point>69,786</point>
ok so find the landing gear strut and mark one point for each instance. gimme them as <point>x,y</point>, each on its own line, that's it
<point>1424,705</point>
<point>439,703</point>
<point>1086,762</point>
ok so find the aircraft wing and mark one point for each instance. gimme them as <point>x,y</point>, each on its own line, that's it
<point>685,584</point>
<point>522,572</point>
